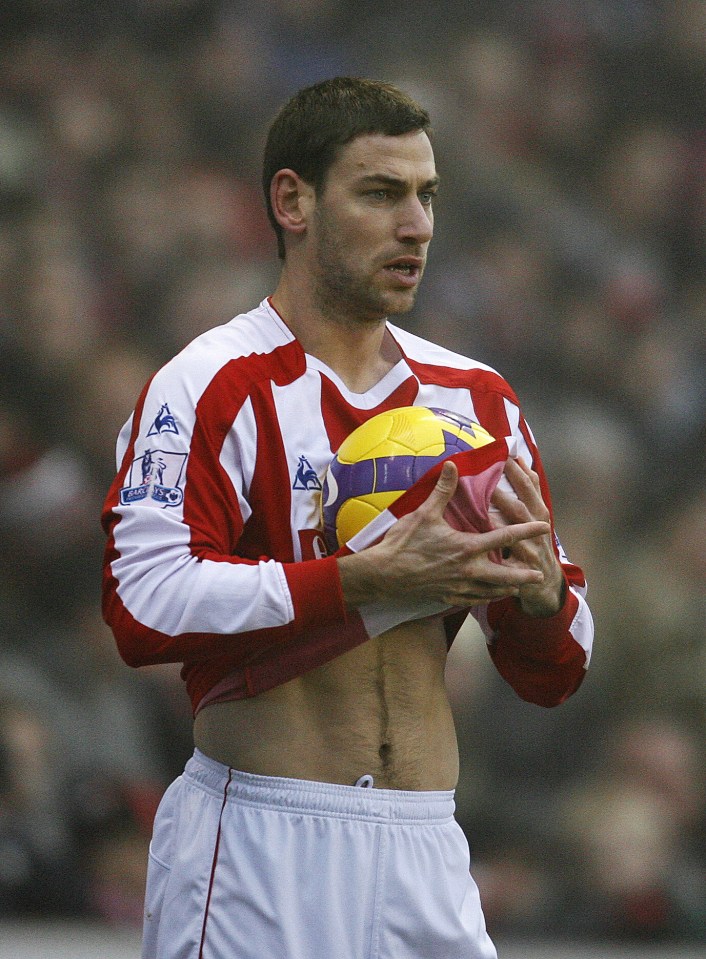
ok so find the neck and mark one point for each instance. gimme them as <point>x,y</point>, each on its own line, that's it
<point>361,352</point>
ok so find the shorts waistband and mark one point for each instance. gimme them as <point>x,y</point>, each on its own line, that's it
<point>318,798</point>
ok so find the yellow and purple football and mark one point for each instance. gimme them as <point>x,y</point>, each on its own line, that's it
<point>383,457</point>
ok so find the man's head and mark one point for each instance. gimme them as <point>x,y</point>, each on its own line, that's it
<point>309,130</point>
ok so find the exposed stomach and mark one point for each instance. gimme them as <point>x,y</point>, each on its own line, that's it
<point>380,709</point>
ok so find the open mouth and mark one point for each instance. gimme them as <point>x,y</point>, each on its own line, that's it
<point>406,269</point>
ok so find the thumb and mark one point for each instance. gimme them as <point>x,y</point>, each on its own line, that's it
<point>445,487</point>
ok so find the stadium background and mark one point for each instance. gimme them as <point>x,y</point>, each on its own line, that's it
<point>569,254</point>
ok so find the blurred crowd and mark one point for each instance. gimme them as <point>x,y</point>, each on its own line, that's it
<point>571,230</point>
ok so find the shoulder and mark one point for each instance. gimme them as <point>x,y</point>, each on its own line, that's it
<point>210,380</point>
<point>259,332</point>
<point>434,363</point>
<point>246,347</point>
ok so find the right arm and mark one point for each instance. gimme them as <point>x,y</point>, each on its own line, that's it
<point>174,586</point>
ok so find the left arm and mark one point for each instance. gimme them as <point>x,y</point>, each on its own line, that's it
<point>541,641</point>
<point>544,599</point>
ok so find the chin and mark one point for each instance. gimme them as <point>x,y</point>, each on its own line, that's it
<point>374,304</point>
<point>402,303</point>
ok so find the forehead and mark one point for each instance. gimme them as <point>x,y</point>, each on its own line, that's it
<point>409,157</point>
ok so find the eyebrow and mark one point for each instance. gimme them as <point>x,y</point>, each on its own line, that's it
<point>388,180</point>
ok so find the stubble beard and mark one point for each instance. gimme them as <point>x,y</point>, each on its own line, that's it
<point>344,296</point>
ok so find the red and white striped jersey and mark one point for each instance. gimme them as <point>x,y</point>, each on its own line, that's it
<point>215,556</point>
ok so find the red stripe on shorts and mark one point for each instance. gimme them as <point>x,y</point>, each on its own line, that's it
<point>213,864</point>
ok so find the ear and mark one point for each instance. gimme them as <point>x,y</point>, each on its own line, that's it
<point>292,200</point>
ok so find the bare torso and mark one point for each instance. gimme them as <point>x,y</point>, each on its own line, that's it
<point>380,709</point>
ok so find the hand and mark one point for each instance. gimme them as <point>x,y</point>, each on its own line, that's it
<point>544,598</point>
<point>423,558</point>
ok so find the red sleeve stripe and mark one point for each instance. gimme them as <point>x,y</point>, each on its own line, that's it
<point>315,584</point>
<point>212,513</point>
<point>539,658</point>
<point>271,487</point>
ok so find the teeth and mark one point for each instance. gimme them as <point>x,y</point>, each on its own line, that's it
<point>401,268</point>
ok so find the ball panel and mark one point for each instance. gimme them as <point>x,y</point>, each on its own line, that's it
<point>398,473</point>
<point>364,439</point>
<point>357,513</point>
<point>383,457</point>
<point>456,425</point>
<point>352,479</point>
<point>416,428</point>
<point>405,430</point>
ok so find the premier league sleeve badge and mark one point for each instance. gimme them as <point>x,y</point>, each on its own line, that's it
<point>156,475</point>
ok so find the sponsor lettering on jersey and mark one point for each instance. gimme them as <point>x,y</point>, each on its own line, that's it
<point>312,543</point>
<point>157,475</point>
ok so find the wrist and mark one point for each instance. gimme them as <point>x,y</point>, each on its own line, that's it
<point>546,601</point>
<point>361,578</point>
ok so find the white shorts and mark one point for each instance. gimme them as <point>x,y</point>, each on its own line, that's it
<point>255,867</point>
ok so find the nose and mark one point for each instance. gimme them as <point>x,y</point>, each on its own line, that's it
<point>416,224</point>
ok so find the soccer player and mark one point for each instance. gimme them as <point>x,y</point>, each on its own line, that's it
<point>315,818</point>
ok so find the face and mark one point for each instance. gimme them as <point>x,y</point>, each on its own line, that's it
<point>371,226</point>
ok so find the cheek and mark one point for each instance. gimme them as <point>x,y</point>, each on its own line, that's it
<point>345,235</point>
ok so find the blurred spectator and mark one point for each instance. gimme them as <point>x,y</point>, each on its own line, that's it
<point>114,840</point>
<point>631,833</point>
<point>40,872</point>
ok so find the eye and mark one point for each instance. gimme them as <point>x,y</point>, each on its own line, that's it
<point>426,197</point>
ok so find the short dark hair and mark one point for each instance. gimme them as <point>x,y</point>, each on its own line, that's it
<point>309,129</point>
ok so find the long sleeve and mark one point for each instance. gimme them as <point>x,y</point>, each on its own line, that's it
<point>544,660</point>
<point>180,580</point>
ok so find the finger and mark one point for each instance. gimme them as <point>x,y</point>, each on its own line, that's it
<point>441,495</point>
<point>480,596</point>
<point>508,536</point>
<point>528,469</point>
<point>497,582</point>
<point>486,571</point>
<point>525,483</point>
<point>505,576</point>
<point>533,476</point>
<point>519,474</point>
<point>511,509</point>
